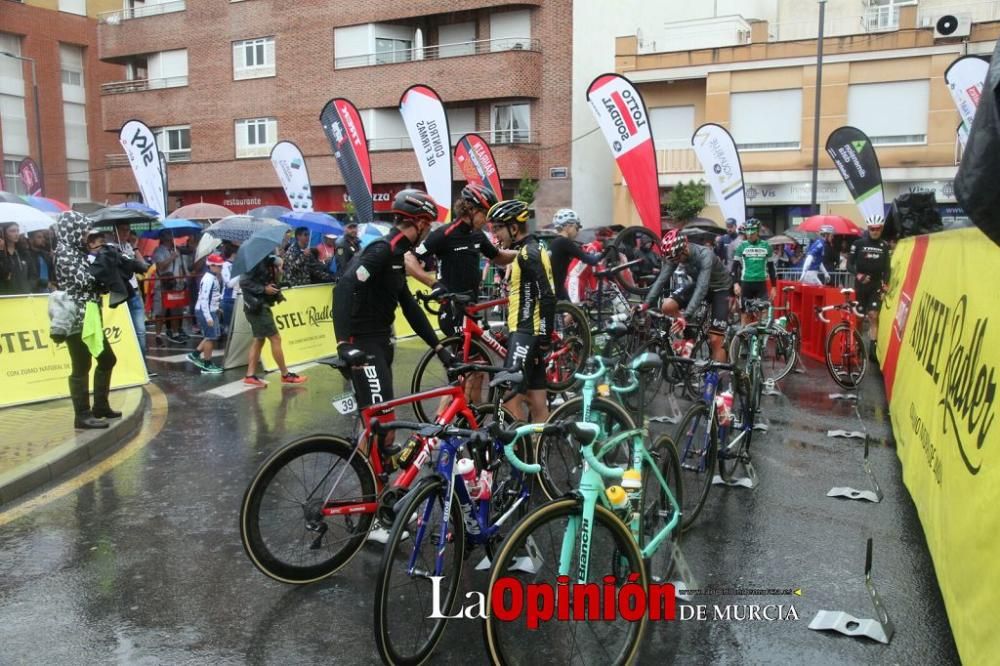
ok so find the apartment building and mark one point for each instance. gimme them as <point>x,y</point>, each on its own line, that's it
<point>755,73</point>
<point>50,46</point>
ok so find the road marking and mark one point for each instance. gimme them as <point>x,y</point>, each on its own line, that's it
<point>152,424</point>
<point>236,388</point>
<point>181,358</point>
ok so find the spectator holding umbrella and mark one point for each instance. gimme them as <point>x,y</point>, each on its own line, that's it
<point>327,249</point>
<point>170,277</point>
<point>296,271</point>
<point>136,306</point>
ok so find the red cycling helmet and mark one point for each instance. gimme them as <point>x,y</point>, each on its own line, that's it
<point>479,195</point>
<point>673,244</point>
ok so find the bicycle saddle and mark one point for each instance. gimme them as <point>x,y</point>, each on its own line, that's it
<point>513,378</point>
<point>334,362</point>
<point>463,299</point>
<point>788,289</point>
<point>582,432</point>
<point>646,361</point>
<point>847,291</point>
<point>616,329</point>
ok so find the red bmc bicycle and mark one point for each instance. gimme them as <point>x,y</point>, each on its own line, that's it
<point>845,353</point>
<point>310,506</point>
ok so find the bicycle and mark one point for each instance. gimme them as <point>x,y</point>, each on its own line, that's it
<point>451,519</point>
<point>776,345</point>
<point>844,351</point>
<point>479,344</point>
<point>311,504</point>
<point>610,536</point>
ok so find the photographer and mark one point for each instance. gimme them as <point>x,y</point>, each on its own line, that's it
<point>260,292</point>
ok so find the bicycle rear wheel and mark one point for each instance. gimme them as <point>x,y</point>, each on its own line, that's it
<point>612,553</point>
<point>570,349</point>
<point>627,245</point>
<point>777,354</point>
<point>431,374</point>
<point>845,356</point>
<point>657,509</point>
<point>743,409</point>
<point>653,380</point>
<point>697,445</point>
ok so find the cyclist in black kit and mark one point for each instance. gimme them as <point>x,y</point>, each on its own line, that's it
<point>869,261</point>
<point>564,248</point>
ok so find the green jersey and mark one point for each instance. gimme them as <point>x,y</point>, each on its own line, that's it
<point>754,257</point>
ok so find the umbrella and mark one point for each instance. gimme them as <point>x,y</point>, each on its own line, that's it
<point>317,223</point>
<point>705,226</point>
<point>88,207</point>
<point>262,243</point>
<point>45,204</point>
<point>27,218</point>
<point>782,239</point>
<point>841,225</point>
<point>206,246</point>
<point>201,211</point>
<point>112,215</point>
<point>370,231</point>
<point>138,205</point>
<point>10,197</point>
<point>178,227</point>
<point>275,212</point>
<point>238,228</point>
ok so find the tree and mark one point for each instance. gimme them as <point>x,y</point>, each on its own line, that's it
<point>351,210</point>
<point>686,200</point>
<point>526,190</point>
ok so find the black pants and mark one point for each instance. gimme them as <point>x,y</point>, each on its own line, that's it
<point>79,379</point>
<point>373,381</point>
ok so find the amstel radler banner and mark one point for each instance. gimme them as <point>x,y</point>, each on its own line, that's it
<point>33,368</point>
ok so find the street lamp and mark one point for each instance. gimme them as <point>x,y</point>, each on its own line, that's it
<point>38,113</point>
<point>819,98</point>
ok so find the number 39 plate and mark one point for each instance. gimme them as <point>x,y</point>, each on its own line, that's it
<point>345,404</point>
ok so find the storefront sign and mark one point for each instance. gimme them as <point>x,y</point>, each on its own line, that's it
<point>944,190</point>
<point>790,194</point>
<point>330,198</point>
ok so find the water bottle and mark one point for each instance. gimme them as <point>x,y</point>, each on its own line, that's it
<point>782,322</point>
<point>632,479</point>
<point>617,497</point>
<point>485,486</point>
<point>404,457</point>
<point>683,348</point>
<point>724,407</point>
<point>466,469</point>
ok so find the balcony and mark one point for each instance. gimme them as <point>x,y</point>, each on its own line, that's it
<point>677,160</point>
<point>139,85</point>
<point>438,51</point>
<point>116,160</point>
<point>118,16</point>
<point>494,138</point>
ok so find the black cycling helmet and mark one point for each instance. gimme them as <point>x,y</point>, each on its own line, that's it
<point>415,205</point>
<point>508,212</point>
<point>479,195</point>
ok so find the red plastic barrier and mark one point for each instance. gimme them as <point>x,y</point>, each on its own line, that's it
<point>804,301</point>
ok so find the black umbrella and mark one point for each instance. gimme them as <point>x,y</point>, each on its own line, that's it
<point>704,225</point>
<point>262,243</point>
<point>112,215</point>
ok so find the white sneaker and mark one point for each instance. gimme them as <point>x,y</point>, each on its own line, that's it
<point>379,534</point>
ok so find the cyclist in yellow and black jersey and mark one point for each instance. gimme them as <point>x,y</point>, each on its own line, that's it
<point>532,306</point>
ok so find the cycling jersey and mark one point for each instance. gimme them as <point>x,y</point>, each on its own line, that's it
<point>870,257</point>
<point>532,306</point>
<point>458,247</point>
<point>563,251</point>
<point>753,261</point>
<point>580,278</point>
<point>704,267</point>
<point>814,261</point>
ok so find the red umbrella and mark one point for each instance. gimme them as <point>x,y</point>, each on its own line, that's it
<point>841,225</point>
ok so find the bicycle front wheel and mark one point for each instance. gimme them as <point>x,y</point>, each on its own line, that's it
<point>570,347</point>
<point>652,380</point>
<point>658,510</point>
<point>404,588</point>
<point>581,641</point>
<point>431,374</point>
<point>778,354</point>
<point>845,356</point>
<point>730,452</point>
<point>697,445</point>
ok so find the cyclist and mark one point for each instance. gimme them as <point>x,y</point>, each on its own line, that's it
<point>564,248</point>
<point>869,261</point>
<point>532,308</point>
<point>710,281</point>
<point>753,262</point>
<point>816,257</point>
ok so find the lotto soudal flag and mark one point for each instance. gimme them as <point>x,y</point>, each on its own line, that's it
<point>346,134</point>
<point>31,176</point>
<point>965,79</point>
<point>147,167</point>
<point>426,123</point>
<point>720,161</point>
<point>854,156</point>
<point>622,117</point>
<point>290,166</point>
<point>475,159</point>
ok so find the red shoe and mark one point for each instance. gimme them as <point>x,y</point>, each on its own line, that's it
<point>256,382</point>
<point>292,378</point>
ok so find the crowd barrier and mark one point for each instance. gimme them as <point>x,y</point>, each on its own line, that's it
<point>804,301</point>
<point>940,351</point>
<point>33,368</point>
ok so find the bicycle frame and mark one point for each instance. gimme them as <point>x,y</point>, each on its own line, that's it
<point>710,387</point>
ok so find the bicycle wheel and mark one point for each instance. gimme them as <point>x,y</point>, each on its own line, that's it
<point>560,456</point>
<point>743,410</point>
<point>653,380</point>
<point>612,553</point>
<point>627,246</point>
<point>739,346</point>
<point>404,588</point>
<point>282,527</point>
<point>845,356</point>
<point>777,354</point>
<point>431,374</point>
<point>570,348</point>
<point>657,510</point>
<point>697,446</point>
<point>508,484</point>
<point>794,327</point>
<point>701,351</point>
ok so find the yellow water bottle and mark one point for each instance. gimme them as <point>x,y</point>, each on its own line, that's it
<point>617,497</point>
<point>632,479</point>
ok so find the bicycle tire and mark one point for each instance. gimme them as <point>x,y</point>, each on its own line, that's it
<point>742,410</point>
<point>507,482</point>
<point>561,459</point>
<point>265,555</point>
<point>851,376</point>
<point>578,338</point>
<point>777,355</point>
<point>389,648</point>
<point>702,351</point>
<point>425,410</point>
<point>625,243</point>
<point>657,510</point>
<point>542,526</point>
<point>653,380</point>
<point>691,449</point>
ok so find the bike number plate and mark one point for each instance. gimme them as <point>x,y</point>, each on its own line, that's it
<point>345,404</point>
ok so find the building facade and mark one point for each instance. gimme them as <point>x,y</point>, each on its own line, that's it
<point>57,41</point>
<point>883,72</point>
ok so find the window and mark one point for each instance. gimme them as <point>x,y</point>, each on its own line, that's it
<point>12,176</point>
<point>73,6</point>
<point>388,50</point>
<point>71,71</point>
<point>14,128</point>
<point>672,126</point>
<point>512,123</point>
<point>255,137</point>
<point>79,180</point>
<point>766,120</point>
<point>75,124</point>
<point>253,58</point>
<point>461,121</point>
<point>890,113</point>
<point>174,142</point>
<point>457,39</point>
<point>510,30</point>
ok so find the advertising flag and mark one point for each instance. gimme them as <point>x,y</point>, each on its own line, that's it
<point>147,167</point>
<point>294,176</point>
<point>31,177</point>
<point>346,134</point>
<point>965,79</point>
<point>426,123</point>
<point>854,155</point>
<point>622,117</point>
<point>716,150</point>
<point>475,159</point>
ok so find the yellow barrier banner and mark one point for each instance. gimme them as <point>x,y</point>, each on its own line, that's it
<point>33,368</point>
<point>305,322</point>
<point>943,409</point>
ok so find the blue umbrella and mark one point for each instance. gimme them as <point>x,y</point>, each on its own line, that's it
<point>137,205</point>
<point>317,224</point>
<point>179,227</point>
<point>262,243</point>
<point>373,231</point>
<point>269,211</point>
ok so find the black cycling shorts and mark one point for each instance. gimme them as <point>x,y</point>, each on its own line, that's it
<point>869,296</point>
<point>373,382</point>
<point>522,349</point>
<point>750,291</point>
<point>718,302</point>
<point>450,318</point>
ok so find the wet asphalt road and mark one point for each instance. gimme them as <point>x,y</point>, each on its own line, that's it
<point>145,566</point>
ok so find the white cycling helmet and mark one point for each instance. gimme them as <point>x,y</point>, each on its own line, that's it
<point>876,221</point>
<point>565,216</point>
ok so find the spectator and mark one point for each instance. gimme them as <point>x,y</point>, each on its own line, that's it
<point>347,245</point>
<point>317,271</point>
<point>17,272</point>
<point>722,244</point>
<point>169,277</point>
<point>260,292</point>
<point>296,272</point>
<point>208,311</point>
<point>40,252</point>
<point>136,306</point>
<point>230,287</point>
<point>193,268</point>
<point>328,251</point>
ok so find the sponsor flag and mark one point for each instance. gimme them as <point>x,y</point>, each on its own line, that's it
<point>426,123</point>
<point>294,176</point>
<point>854,156</point>
<point>31,176</point>
<point>475,159</point>
<point>622,117</point>
<point>147,167</point>
<point>965,79</point>
<point>720,161</point>
<point>346,134</point>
